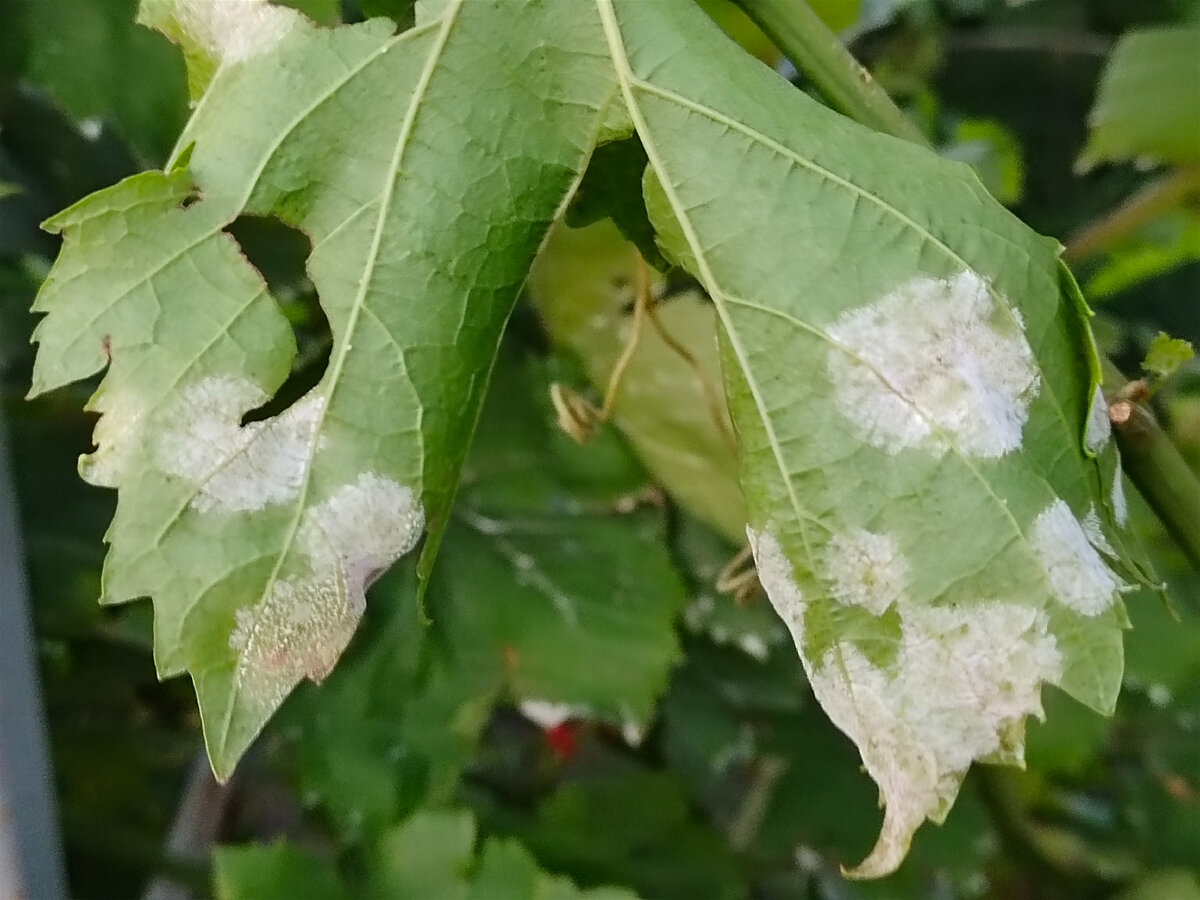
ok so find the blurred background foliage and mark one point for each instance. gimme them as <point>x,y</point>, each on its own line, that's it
<point>585,708</point>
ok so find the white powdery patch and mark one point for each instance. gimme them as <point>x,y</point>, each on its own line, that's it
<point>1095,534</point>
<point>1099,429</point>
<point>232,30</point>
<point>362,529</point>
<point>963,681</point>
<point>777,578</point>
<point>1079,578</point>
<point>1119,505</point>
<point>299,631</point>
<point>235,467</point>
<point>304,624</point>
<point>867,569</point>
<point>935,363</point>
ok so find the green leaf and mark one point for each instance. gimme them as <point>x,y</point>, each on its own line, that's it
<point>1148,105</point>
<point>280,870</point>
<point>573,588</point>
<point>634,826</point>
<point>923,511</point>
<point>1175,243</point>
<point>1165,355</point>
<point>256,541</point>
<point>432,855</point>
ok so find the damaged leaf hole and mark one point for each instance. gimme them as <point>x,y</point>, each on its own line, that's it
<point>279,253</point>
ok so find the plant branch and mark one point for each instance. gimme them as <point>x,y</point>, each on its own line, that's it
<point>823,58</point>
<point>1153,463</point>
<point>1158,197</point>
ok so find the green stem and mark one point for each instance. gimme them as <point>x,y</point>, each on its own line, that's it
<point>1158,197</point>
<point>1163,478</point>
<point>823,58</point>
<point>1152,462</point>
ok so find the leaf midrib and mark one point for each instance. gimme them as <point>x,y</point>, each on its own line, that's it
<point>629,81</point>
<point>447,21</point>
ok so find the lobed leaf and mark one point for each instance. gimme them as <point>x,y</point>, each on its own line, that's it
<point>424,208</point>
<point>924,514</point>
<point>931,493</point>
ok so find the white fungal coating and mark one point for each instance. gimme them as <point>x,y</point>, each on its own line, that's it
<point>963,681</point>
<point>936,363</point>
<point>777,578</point>
<point>302,626</point>
<point>1120,506</point>
<point>1099,429</point>
<point>866,569</point>
<point>1095,534</point>
<point>232,30</point>
<point>235,467</point>
<point>362,528</point>
<point>299,631</point>
<point>1079,578</point>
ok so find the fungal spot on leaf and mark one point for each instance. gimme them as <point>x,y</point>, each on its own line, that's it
<point>1079,578</point>
<point>777,578</point>
<point>866,569</point>
<point>304,624</point>
<point>232,30</point>
<point>936,363</point>
<point>963,681</point>
<point>1099,429</point>
<point>235,467</point>
<point>362,529</point>
<point>297,632</point>
<point>1095,534</point>
<point>1120,506</point>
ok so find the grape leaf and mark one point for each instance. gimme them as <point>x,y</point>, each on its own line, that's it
<point>924,513</point>
<point>424,210</point>
<point>1148,104</point>
<point>932,495</point>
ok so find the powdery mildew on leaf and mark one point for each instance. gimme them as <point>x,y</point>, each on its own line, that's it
<point>236,467</point>
<point>302,626</point>
<point>963,681</point>
<point>1099,429</point>
<point>297,632</point>
<point>363,528</point>
<point>1120,506</point>
<point>866,569</point>
<point>962,684</point>
<point>232,30</point>
<point>1095,534</point>
<point>1077,575</point>
<point>935,363</point>
<point>775,575</point>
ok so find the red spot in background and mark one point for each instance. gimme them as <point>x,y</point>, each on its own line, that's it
<point>562,740</point>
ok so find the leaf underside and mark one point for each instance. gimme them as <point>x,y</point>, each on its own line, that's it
<point>931,494</point>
